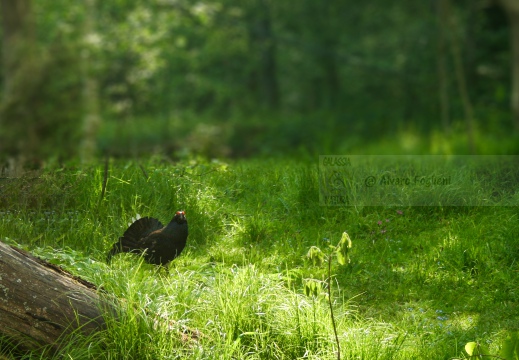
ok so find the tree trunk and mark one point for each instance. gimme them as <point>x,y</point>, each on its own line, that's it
<point>328,55</point>
<point>263,44</point>
<point>512,9</point>
<point>459,71</point>
<point>17,135</point>
<point>91,119</point>
<point>441,60</point>
<point>18,33</point>
<point>40,303</point>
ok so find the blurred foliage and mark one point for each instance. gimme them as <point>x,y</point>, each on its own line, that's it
<point>41,115</point>
<point>230,78</point>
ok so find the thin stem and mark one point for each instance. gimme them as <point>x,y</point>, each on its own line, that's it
<point>105,180</point>
<point>331,307</point>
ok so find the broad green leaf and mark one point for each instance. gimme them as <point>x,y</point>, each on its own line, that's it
<point>315,255</point>
<point>482,350</point>
<point>473,349</point>
<point>510,349</point>
<point>469,347</point>
<point>342,249</point>
<point>312,288</point>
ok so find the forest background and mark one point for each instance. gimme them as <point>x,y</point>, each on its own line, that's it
<point>258,78</point>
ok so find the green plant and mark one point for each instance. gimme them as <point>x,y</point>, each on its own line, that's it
<point>313,288</point>
<point>509,349</point>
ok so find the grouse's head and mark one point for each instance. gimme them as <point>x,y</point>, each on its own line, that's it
<point>180,217</point>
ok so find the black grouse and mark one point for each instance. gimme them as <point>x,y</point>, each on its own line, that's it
<point>159,244</point>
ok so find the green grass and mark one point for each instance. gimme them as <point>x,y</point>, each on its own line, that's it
<point>422,281</point>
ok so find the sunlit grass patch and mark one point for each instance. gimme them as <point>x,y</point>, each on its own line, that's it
<point>422,281</point>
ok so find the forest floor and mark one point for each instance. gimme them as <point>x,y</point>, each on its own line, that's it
<point>422,281</point>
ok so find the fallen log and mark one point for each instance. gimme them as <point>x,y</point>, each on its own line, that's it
<point>40,303</point>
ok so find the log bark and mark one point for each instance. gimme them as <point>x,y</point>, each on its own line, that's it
<point>40,303</point>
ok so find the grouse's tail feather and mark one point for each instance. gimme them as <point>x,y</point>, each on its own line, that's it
<point>131,237</point>
<point>116,248</point>
<point>142,228</point>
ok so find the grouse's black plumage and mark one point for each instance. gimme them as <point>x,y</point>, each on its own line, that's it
<point>160,244</point>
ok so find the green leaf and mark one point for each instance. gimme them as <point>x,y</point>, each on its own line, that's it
<point>342,249</point>
<point>312,288</point>
<point>469,347</point>
<point>510,349</point>
<point>315,255</point>
<point>474,349</point>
